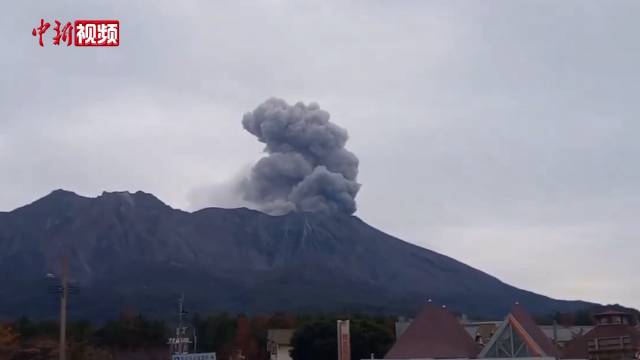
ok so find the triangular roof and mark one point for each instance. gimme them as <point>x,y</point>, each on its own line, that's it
<point>434,334</point>
<point>577,348</point>
<point>521,336</point>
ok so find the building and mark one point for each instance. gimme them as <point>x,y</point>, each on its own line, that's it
<point>401,325</point>
<point>437,334</point>
<point>616,336</point>
<point>434,334</point>
<point>279,343</point>
<point>562,335</point>
<point>481,331</point>
<point>519,337</point>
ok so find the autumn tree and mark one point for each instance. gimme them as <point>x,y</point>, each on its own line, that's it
<point>8,341</point>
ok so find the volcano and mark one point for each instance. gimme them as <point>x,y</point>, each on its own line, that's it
<point>130,251</point>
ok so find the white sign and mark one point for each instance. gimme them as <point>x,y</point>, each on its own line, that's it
<point>202,356</point>
<point>173,341</point>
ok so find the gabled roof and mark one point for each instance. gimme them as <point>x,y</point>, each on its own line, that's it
<point>519,336</point>
<point>434,334</point>
<point>577,348</point>
<point>524,318</point>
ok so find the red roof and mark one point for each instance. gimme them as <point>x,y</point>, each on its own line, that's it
<point>577,348</point>
<point>434,334</point>
<point>529,325</point>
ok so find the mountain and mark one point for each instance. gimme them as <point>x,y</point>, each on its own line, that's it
<point>131,252</point>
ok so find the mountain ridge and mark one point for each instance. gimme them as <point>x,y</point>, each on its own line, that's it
<point>132,250</point>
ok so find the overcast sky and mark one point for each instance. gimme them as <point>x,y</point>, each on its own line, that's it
<point>501,133</point>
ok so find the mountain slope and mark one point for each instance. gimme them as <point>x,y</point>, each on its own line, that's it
<point>131,251</point>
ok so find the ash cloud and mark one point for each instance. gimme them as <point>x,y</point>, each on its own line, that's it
<point>307,167</point>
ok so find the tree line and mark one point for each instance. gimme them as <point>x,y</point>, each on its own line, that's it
<point>225,334</point>
<point>136,336</point>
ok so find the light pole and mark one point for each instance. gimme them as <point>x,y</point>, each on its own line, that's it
<point>63,290</point>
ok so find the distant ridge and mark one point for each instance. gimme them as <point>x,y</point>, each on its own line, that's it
<point>132,251</point>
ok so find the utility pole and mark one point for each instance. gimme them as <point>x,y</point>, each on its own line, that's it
<point>61,288</point>
<point>180,310</point>
<point>180,333</point>
<point>64,294</point>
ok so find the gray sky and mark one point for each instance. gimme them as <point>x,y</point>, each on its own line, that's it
<point>501,133</point>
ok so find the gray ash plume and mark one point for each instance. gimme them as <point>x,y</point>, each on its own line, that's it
<point>307,167</point>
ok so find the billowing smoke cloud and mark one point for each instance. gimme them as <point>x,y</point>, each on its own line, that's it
<point>307,167</point>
